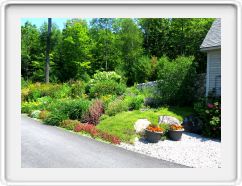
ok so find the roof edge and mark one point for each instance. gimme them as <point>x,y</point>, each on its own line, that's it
<point>204,49</point>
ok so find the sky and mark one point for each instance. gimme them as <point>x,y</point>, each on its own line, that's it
<point>39,21</point>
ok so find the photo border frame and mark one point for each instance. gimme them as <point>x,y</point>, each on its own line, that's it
<point>235,3</point>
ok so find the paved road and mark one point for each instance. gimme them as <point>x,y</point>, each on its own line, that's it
<point>45,146</point>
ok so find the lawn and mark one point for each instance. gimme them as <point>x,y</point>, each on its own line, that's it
<point>122,124</point>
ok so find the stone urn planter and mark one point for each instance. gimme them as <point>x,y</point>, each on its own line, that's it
<point>153,133</point>
<point>175,132</point>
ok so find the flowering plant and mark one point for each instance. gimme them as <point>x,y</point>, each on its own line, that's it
<point>154,128</point>
<point>176,127</point>
<point>209,111</point>
<point>96,133</point>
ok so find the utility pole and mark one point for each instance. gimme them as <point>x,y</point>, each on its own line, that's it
<point>47,62</point>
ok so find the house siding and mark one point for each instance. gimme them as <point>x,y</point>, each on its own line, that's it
<point>214,72</point>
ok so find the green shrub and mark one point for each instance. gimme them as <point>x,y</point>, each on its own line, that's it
<point>107,87</point>
<point>106,76</point>
<point>29,107</point>
<point>35,114</point>
<point>54,119</point>
<point>62,91</point>
<point>73,109</point>
<point>77,89</point>
<point>210,113</point>
<point>106,99</point>
<point>44,114</point>
<point>135,102</point>
<point>116,106</point>
<point>177,79</point>
<point>69,124</point>
<point>143,69</point>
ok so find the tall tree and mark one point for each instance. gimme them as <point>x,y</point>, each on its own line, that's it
<point>75,51</point>
<point>104,51</point>
<point>29,49</point>
<point>130,45</point>
<point>47,64</point>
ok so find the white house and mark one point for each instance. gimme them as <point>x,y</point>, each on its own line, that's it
<point>212,46</point>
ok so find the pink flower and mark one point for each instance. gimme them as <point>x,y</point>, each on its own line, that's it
<point>210,105</point>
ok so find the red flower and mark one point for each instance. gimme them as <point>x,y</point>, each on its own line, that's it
<point>210,105</point>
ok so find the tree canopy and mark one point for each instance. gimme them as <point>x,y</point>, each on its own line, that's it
<point>131,47</point>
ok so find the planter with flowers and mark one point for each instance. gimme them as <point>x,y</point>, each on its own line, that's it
<point>175,132</point>
<point>153,133</point>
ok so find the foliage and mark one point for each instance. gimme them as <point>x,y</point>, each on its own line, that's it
<point>177,79</point>
<point>77,89</point>
<point>28,107</point>
<point>106,76</point>
<point>54,119</point>
<point>134,102</point>
<point>107,87</point>
<point>105,53</point>
<point>96,133</point>
<point>175,37</point>
<point>35,114</point>
<point>165,127</point>
<point>69,124</point>
<point>209,111</point>
<point>142,69</point>
<point>118,105</point>
<point>130,46</point>
<point>75,51</point>
<point>94,113</point>
<point>74,109</point>
<point>122,124</point>
<point>44,114</point>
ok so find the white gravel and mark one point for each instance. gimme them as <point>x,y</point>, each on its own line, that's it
<point>193,150</point>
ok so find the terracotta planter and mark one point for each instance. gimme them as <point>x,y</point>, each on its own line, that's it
<point>152,137</point>
<point>175,135</point>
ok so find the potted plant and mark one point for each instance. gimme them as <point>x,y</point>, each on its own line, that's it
<point>175,132</point>
<point>153,133</point>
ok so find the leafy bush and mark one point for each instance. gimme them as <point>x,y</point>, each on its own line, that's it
<point>177,80</point>
<point>106,76</point>
<point>116,106</point>
<point>106,99</point>
<point>77,89</point>
<point>69,124</point>
<point>94,112</point>
<point>105,83</point>
<point>44,114</point>
<point>35,114</point>
<point>143,69</point>
<point>135,102</point>
<point>28,107</point>
<point>210,113</point>
<point>96,133</point>
<point>62,91</point>
<point>106,87</point>
<point>74,109</point>
<point>54,119</point>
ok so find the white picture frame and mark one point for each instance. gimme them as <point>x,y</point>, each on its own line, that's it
<point>11,171</point>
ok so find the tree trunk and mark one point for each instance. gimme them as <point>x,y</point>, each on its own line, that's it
<point>47,62</point>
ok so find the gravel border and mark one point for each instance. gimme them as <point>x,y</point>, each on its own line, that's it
<point>193,150</point>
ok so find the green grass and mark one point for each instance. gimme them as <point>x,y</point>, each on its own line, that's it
<point>122,124</point>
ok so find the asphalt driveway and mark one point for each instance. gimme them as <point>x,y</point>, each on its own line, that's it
<point>44,146</point>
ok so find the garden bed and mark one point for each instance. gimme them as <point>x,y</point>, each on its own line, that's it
<point>193,150</point>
